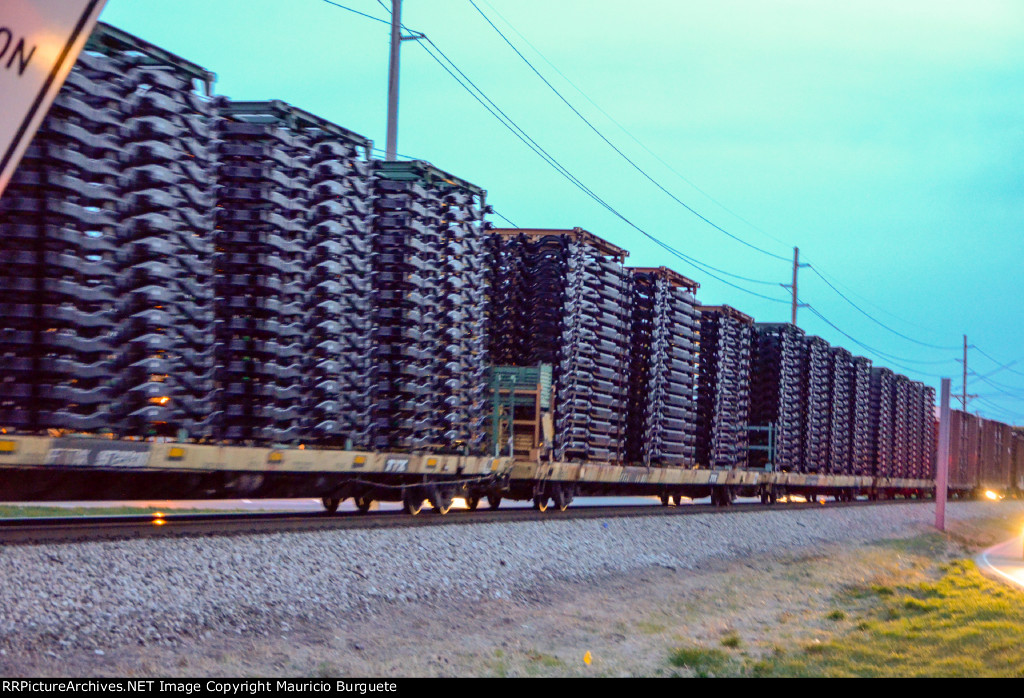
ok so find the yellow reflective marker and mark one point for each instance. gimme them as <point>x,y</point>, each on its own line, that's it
<point>587,658</point>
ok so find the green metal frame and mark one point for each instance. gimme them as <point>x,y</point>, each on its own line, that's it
<point>770,448</point>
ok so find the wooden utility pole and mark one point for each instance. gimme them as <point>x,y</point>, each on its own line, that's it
<point>391,151</point>
<point>964,397</point>
<point>796,267</point>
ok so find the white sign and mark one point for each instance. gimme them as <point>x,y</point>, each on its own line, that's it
<point>39,43</point>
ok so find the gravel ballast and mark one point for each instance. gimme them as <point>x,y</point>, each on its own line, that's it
<point>101,595</point>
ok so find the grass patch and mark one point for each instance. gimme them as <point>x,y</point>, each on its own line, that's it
<point>961,625</point>
<point>837,615</point>
<point>649,627</point>
<point>732,640</point>
<point>703,662</point>
<point>13,511</point>
<point>544,660</point>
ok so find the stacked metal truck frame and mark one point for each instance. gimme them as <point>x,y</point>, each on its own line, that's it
<point>429,279</point>
<point>662,419</point>
<point>183,265</point>
<point>723,395</point>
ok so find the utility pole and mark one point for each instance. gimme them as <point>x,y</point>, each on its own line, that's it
<point>796,268</point>
<point>964,397</point>
<point>391,153</point>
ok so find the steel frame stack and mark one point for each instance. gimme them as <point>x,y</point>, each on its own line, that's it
<point>262,242</point>
<point>776,394</point>
<point>901,427</point>
<point>59,225</point>
<point>841,376</point>
<point>723,393</point>
<point>337,365</point>
<point>929,429</point>
<point>429,272</point>
<point>883,404</point>
<point>860,412</point>
<point>815,405</point>
<point>663,368</point>
<point>110,214</point>
<point>165,358</point>
<point>576,306</point>
<point>915,429</point>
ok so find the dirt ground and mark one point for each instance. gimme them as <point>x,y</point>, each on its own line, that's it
<point>628,624</point>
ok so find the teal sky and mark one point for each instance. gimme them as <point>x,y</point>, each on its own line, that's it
<point>884,139</point>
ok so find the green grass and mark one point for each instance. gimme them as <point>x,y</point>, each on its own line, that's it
<point>11,511</point>
<point>732,640</point>
<point>961,625</point>
<point>703,662</point>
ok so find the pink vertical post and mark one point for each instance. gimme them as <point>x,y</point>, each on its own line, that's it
<point>942,457</point>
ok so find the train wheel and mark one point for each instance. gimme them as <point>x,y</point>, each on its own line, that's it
<point>364,504</point>
<point>443,504</point>
<point>412,505</point>
<point>540,503</point>
<point>665,499</point>
<point>494,501</point>
<point>562,499</point>
<point>677,500</point>
<point>472,502</point>
<point>330,504</point>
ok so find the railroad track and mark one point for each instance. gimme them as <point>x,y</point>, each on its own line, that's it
<point>80,529</point>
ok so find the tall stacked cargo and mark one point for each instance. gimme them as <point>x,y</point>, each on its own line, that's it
<point>883,396</point>
<point>775,394</point>
<point>915,430</point>
<point>575,316</point>
<point>815,402</point>
<point>337,365</point>
<point>111,216</point>
<point>662,418</point>
<point>429,280</point>
<point>165,357</point>
<point>860,411</point>
<point>723,394</point>
<point>58,220</point>
<point>262,237</point>
<point>901,423</point>
<point>930,435</point>
<point>509,340</point>
<point>841,426</point>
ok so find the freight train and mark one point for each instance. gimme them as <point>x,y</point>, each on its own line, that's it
<point>212,298</point>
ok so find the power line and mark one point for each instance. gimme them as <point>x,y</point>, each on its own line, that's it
<point>875,320</point>
<point>466,83</point>
<point>362,14</point>
<point>1002,366</point>
<point>612,119</point>
<point>617,150</point>
<point>993,406</point>
<point>622,128</point>
<point>885,356</point>
<point>495,211</point>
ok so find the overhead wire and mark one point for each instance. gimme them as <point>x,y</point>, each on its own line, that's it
<point>498,113</point>
<point>626,131</point>
<point>555,68</point>
<point>617,149</point>
<point>509,123</point>
<point>873,318</point>
<point>1002,366</point>
<point>885,356</point>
